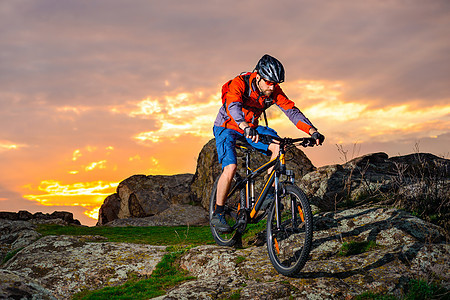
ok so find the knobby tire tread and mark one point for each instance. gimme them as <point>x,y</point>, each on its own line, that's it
<point>308,224</point>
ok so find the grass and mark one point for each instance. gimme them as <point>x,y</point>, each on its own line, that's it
<point>252,231</point>
<point>10,255</point>
<point>421,290</point>
<point>414,290</point>
<point>166,275</point>
<point>157,235</point>
<point>355,248</point>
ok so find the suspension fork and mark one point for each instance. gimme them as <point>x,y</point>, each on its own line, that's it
<point>277,199</point>
<point>282,170</point>
<point>250,185</point>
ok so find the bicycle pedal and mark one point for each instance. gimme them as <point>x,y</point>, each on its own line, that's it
<point>223,231</point>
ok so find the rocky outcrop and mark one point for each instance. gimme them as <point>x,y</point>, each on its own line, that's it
<point>208,169</point>
<point>143,196</point>
<point>404,247</point>
<point>18,229</point>
<point>15,235</point>
<point>61,217</point>
<point>15,286</point>
<point>373,175</point>
<point>66,265</point>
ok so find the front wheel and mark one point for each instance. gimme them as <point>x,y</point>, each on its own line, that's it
<point>289,244</point>
<point>231,210</point>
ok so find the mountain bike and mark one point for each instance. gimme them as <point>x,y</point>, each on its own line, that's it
<point>289,228</point>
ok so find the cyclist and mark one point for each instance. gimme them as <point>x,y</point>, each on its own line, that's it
<point>244,100</point>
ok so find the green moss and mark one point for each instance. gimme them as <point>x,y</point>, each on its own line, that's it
<point>166,275</point>
<point>355,247</point>
<point>10,255</point>
<point>421,290</point>
<point>416,289</point>
<point>240,259</point>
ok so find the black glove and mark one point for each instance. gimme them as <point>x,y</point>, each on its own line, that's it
<point>250,132</point>
<point>318,136</point>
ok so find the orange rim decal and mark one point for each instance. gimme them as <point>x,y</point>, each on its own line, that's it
<point>300,211</point>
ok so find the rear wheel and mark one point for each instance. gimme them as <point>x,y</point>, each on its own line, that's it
<point>231,210</point>
<point>289,245</point>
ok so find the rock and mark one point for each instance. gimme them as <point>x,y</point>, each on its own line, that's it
<point>369,176</point>
<point>109,210</point>
<point>175,215</point>
<point>66,265</point>
<point>15,235</point>
<point>142,196</point>
<point>208,169</point>
<point>15,286</point>
<point>406,248</point>
<point>65,216</point>
<point>39,217</point>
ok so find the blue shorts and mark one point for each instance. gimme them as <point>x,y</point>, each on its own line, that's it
<point>226,143</point>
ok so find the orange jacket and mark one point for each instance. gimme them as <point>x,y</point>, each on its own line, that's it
<point>238,107</point>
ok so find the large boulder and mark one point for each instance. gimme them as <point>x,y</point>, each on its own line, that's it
<point>15,235</point>
<point>16,286</point>
<point>208,169</point>
<point>109,210</point>
<point>375,175</point>
<point>142,196</point>
<point>66,265</point>
<point>403,248</point>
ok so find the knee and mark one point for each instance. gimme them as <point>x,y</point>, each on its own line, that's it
<point>274,148</point>
<point>229,171</point>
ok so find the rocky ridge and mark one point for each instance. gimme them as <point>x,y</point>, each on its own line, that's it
<point>404,247</point>
<point>141,199</point>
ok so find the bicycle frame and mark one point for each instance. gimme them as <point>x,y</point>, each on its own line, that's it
<point>252,204</point>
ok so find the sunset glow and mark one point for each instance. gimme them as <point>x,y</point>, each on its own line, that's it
<point>86,194</point>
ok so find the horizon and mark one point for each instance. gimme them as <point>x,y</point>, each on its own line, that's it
<point>93,93</point>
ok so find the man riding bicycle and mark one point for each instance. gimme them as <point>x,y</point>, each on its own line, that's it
<point>244,99</point>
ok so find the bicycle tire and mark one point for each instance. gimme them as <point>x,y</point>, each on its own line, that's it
<point>289,247</point>
<point>231,208</point>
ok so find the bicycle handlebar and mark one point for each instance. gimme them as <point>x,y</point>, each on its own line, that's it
<point>304,142</point>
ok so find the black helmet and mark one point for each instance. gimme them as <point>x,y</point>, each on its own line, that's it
<point>270,69</point>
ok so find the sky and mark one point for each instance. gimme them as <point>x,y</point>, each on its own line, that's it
<point>93,92</point>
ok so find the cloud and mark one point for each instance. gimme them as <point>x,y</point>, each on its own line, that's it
<point>179,114</point>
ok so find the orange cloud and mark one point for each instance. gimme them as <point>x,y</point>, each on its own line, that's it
<point>86,194</point>
<point>7,145</point>
<point>178,114</point>
<point>94,165</point>
<point>341,121</point>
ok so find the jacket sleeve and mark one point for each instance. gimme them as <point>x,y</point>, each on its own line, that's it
<point>291,111</point>
<point>234,100</point>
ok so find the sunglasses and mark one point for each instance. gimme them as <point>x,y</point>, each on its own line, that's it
<point>269,83</point>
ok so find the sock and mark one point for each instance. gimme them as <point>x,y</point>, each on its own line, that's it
<point>219,209</point>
